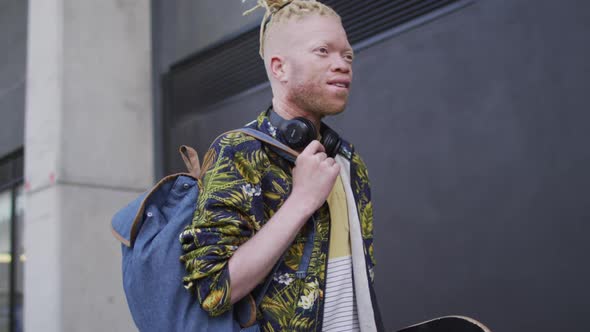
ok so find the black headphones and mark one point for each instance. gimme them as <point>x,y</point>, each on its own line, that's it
<point>299,132</point>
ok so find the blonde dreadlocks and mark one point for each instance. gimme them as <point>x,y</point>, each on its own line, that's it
<point>280,10</point>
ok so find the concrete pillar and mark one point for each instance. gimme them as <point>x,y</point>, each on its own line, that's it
<point>88,150</point>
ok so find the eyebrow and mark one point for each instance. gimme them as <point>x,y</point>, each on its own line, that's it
<point>347,49</point>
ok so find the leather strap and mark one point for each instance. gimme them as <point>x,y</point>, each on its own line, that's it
<point>191,160</point>
<point>268,140</point>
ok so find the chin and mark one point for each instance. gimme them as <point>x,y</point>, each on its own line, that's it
<point>332,110</point>
<point>337,106</point>
<point>322,104</point>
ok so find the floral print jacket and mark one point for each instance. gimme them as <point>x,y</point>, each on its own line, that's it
<point>244,183</point>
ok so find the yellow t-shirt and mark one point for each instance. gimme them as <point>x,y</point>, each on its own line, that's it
<point>339,228</point>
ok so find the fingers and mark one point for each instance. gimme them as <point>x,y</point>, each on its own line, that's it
<point>321,156</point>
<point>315,151</point>
<point>335,167</point>
<point>313,148</point>
<point>329,161</point>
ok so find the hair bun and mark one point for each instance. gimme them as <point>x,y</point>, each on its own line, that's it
<point>276,5</point>
<point>271,6</point>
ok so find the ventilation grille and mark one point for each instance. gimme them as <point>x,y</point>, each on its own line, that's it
<point>213,75</point>
<point>234,66</point>
<point>364,19</point>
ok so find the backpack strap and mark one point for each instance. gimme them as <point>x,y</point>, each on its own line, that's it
<point>191,160</point>
<point>287,152</point>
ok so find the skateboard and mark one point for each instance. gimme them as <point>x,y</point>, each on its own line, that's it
<point>448,324</point>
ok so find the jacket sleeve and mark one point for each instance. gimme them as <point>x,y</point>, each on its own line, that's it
<point>225,217</point>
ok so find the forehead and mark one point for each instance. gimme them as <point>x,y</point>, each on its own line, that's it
<point>315,28</point>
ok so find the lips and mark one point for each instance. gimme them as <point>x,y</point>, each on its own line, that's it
<point>340,83</point>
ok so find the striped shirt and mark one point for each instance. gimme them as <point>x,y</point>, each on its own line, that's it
<point>340,311</point>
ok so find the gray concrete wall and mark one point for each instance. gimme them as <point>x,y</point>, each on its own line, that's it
<point>13,59</point>
<point>89,151</point>
<point>475,131</point>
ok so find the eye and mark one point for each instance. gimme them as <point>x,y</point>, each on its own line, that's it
<point>323,50</point>
<point>349,57</point>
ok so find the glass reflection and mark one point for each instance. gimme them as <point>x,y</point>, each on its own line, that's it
<point>5,258</point>
<point>20,208</point>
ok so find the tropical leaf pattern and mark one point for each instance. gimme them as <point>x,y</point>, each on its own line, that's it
<point>243,185</point>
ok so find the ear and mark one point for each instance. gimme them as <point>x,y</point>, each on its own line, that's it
<point>278,68</point>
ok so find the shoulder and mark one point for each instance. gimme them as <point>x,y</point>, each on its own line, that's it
<point>358,165</point>
<point>234,141</point>
<point>237,140</point>
<point>232,148</point>
<point>349,151</point>
<point>358,160</point>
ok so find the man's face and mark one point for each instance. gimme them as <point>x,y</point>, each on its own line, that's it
<point>318,64</point>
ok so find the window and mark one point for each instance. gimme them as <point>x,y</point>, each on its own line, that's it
<point>11,252</point>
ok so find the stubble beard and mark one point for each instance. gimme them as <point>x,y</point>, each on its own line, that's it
<point>314,99</point>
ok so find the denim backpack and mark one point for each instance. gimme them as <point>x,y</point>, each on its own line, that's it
<point>148,229</point>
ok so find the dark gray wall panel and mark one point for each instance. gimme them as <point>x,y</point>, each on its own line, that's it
<point>475,131</point>
<point>481,187</point>
<point>13,62</point>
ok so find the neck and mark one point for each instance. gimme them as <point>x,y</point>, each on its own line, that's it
<point>289,111</point>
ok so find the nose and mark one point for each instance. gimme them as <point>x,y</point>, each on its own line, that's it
<point>339,64</point>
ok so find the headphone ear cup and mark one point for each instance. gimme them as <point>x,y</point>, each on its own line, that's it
<point>298,132</point>
<point>331,142</point>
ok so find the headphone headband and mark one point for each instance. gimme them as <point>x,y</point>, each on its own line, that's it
<point>299,132</point>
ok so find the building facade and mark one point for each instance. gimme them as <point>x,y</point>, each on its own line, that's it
<point>470,115</point>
